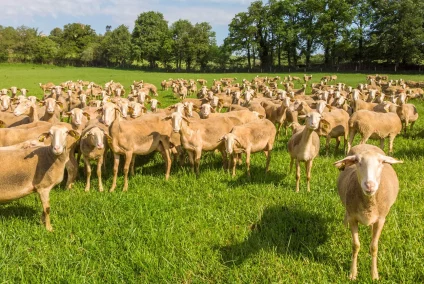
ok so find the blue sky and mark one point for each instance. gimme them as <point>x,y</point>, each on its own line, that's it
<point>49,14</point>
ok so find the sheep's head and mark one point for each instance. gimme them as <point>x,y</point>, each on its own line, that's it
<point>312,120</point>
<point>177,121</point>
<point>59,134</point>
<point>96,137</point>
<point>229,139</point>
<point>369,166</point>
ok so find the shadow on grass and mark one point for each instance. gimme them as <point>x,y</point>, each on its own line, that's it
<point>258,176</point>
<point>286,230</point>
<point>17,211</point>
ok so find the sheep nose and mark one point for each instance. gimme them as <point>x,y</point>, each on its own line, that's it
<point>56,147</point>
<point>370,185</point>
<point>100,145</point>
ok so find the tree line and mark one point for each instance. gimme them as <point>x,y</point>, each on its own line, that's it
<point>274,34</point>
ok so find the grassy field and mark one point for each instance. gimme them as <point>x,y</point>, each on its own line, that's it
<point>214,229</point>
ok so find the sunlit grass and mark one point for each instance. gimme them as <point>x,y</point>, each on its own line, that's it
<point>212,229</point>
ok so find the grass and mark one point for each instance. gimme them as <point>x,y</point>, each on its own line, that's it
<point>214,229</point>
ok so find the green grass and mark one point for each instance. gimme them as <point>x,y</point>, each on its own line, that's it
<point>214,229</point>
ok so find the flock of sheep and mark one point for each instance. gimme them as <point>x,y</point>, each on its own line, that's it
<point>37,147</point>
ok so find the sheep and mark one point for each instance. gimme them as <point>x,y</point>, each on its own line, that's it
<point>374,125</point>
<point>202,135</point>
<point>307,78</point>
<point>92,147</point>
<point>333,125</point>
<point>304,146</point>
<point>136,137</point>
<point>368,186</point>
<point>51,110</point>
<point>37,169</point>
<point>251,137</point>
<point>202,82</point>
<point>408,114</point>
<point>5,103</point>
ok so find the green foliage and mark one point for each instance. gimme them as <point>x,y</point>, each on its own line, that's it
<point>149,34</point>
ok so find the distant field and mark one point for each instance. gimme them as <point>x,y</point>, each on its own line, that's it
<point>214,229</point>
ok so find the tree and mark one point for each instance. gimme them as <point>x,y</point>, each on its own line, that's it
<point>397,31</point>
<point>181,32</point>
<point>241,36</point>
<point>204,39</point>
<point>116,46</point>
<point>149,34</point>
<point>260,16</point>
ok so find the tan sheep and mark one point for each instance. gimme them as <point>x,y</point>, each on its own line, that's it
<point>303,146</point>
<point>250,138</point>
<point>368,187</point>
<point>36,169</point>
<point>374,125</point>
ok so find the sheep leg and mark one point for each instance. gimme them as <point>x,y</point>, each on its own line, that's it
<point>268,160</point>
<point>382,144</point>
<point>352,133</point>
<point>224,158</point>
<point>87,172</point>
<point>291,164</point>
<point>297,175</point>
<point>191,158</point>
<point>167,158</point>
<point>128,159</point>
<point>99,172</point>
<point>391,139</point>
<point>345,137</point>
<point>308,165</point>
<point>377,227</point>
<point>364,138</point>
<point>327,144</point>
<point>72,169</point>
<point>45,201</point>
<point>198,155</point>
<point>337,144</point>
<point>248,163</point>
<point>235,157</point>
<point>355,249</point>
<point>132,166</point>
<point>115,171</point>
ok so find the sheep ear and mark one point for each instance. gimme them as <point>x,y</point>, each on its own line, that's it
<point>74,134</point>
<point>159,103</point>
<point>390,160</point>
<point>43,136</point>
<point>325,124</point>
<point>346,162</point>
<point>86,114</point>
<point>221,139</point>
<point>99,110</point>
<point>167,117</point>
<point>2,124</point>
<point>212,110</point>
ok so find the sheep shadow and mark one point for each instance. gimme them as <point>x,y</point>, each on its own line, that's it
<point>258,176</point>
<point>14,211</point>
<point>287,231</point>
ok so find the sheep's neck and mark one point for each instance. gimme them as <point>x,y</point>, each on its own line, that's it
<point>306,140</point>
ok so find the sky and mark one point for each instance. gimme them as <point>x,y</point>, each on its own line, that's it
<point>49,14</point>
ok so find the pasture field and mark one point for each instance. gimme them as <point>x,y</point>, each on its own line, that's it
<point>214,229</point>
